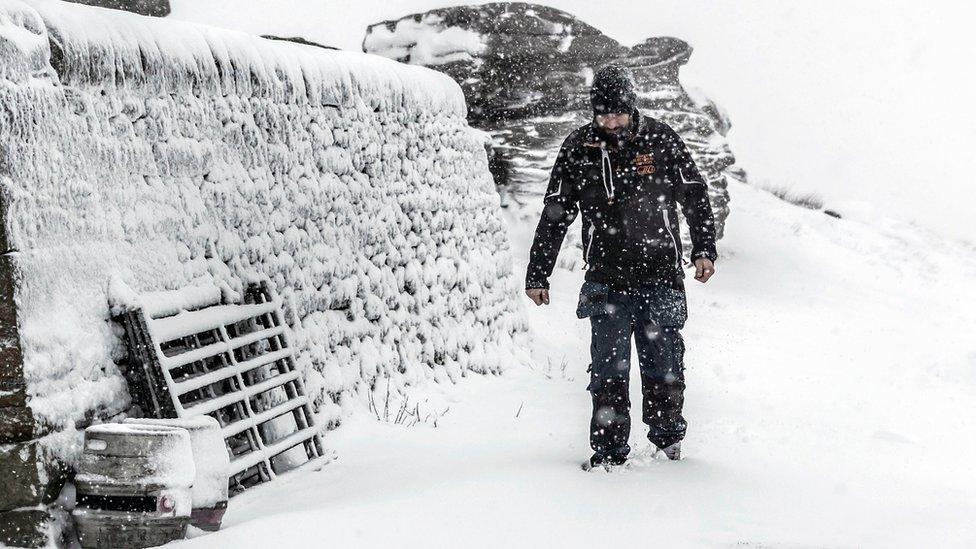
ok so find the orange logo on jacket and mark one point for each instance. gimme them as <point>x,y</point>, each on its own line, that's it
<point>644,164</point>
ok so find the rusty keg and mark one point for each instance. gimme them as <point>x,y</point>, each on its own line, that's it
<point>133,486</point>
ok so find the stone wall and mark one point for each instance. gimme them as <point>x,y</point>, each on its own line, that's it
<point>166,154</point>
<point>31,476</point>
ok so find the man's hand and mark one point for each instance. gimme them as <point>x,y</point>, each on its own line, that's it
<point>704,269</point>
<point>539,296</point>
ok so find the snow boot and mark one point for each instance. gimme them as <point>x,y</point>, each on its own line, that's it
<point>607,462</point>
<point>673,452</point>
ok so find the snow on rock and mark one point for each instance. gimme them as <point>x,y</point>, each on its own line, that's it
<point>526,71</point>
<point>161,154</point>
<point>424,42</point>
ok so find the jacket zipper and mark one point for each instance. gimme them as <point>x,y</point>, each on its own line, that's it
<point>604,172</point>
<point>674,241</point>
<point>589,245</point>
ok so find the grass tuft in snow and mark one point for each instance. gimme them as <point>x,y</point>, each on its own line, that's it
<point>556,371</point>
<point>401,410</point>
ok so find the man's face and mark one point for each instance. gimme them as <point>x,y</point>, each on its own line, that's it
<point>613,124</point>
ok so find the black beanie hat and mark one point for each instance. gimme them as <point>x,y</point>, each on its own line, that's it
<point>613,91</point>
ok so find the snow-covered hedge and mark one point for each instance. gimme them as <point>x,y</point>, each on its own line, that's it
<point>166,153</point>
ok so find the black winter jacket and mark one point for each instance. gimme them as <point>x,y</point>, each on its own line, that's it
<point>629,193</point>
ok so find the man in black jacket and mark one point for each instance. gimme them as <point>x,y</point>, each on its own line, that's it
<point>628,174</point>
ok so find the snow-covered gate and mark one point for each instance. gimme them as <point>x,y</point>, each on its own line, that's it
<point>164,153</point>
<point>232,362</point>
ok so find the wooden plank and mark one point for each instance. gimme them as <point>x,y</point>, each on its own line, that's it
<point>250,460</point>
<point>228,372</point>
<point>191,322</point>
<point>267,415</point>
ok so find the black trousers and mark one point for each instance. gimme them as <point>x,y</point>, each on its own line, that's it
<point>660,353</point>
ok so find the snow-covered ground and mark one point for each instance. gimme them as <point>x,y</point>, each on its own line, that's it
<point>831,370</point>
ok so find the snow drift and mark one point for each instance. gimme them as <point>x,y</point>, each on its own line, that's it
<point>166,154</point>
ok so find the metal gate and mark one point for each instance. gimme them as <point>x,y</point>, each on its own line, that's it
<point>233,363</point>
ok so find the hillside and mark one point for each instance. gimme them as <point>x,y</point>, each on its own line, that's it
<point>829,401</point>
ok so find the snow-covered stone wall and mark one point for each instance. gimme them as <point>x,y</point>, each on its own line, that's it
<point>166,154</point>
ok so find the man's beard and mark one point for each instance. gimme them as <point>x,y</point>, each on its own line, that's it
<point>613,138</point>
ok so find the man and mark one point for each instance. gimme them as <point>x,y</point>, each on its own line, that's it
<point>628,173</point>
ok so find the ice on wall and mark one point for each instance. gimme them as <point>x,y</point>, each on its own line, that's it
<point>164,154</point>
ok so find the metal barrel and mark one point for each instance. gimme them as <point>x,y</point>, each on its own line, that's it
<point>133,486</point>
<point>210,488</point>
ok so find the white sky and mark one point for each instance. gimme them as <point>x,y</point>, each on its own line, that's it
<point>870,101</point>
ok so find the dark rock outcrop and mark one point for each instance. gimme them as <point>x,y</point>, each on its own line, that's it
<point>525,71</point>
